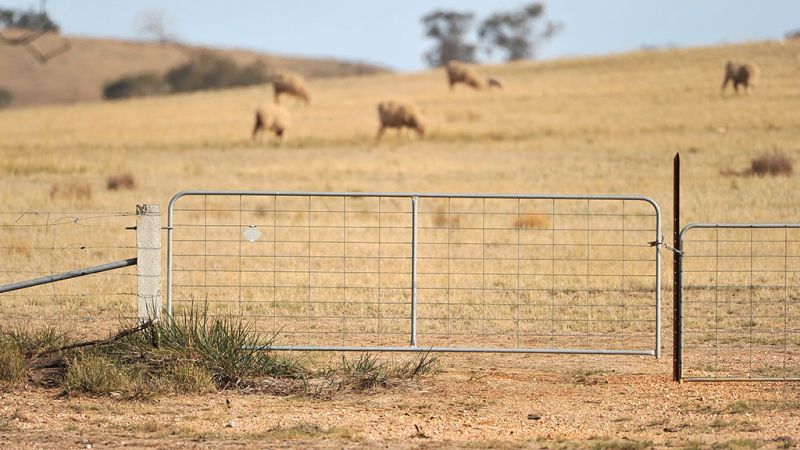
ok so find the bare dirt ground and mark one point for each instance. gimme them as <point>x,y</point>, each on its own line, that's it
<point>530,401</point>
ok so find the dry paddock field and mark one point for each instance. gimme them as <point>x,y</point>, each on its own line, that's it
<point>598,125</point>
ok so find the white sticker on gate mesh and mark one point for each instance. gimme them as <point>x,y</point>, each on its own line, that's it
<point>252,233</point>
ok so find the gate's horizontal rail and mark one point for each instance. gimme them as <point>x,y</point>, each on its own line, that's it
<point>67,275</point>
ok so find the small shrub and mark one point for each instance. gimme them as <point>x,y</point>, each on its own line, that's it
<point>13,364</point>
<point>139,85</point>
<point>369,372</point>
<point>122,181</point>
<point>73,190</point>
<point>531,221</point>
<point>773,163</point>
<point>6,97</point>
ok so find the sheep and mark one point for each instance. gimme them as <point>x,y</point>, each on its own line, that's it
<point>737,74</point>
<point>291,84</point>
<point>275,119</point>
<point>458,72</point>
<point>495,82</point>
<point>395,114</point>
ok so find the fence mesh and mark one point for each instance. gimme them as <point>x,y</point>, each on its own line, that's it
<point>36,244</point>
<point>492,273</point>
<point>741,302</point>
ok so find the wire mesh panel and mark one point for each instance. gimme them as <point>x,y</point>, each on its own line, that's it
<point>741,302</point>
<point>501,273</point>
<point>36,244</point>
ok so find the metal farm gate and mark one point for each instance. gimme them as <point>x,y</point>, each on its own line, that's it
<point>738,302</point>
<point>421,272</point>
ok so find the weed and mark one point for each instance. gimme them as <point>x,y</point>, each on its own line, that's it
<point>621,445</point>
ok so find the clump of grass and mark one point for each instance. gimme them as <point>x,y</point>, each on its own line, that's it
<point>13,364</point>
<point>96,375</point>
<point>33,341</point>
<point>120,181</point>
<point>188,377</point>
<point>225,346</point>
<point>773,163</point>
<point>531,221</point>
<point>621,445</point>
<point>72,190</point>
<point>368,371</point>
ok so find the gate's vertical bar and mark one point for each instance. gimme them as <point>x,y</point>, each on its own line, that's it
<point>414,201</point>
<point>677,257</point>
<point>148,257</point>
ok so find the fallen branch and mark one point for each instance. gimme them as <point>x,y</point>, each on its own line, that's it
<point>121,334</point>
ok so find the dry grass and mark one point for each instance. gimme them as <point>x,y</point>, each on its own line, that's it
<point>71,190</point>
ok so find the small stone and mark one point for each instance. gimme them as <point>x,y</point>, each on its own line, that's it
<point>533,416</point>
<point>230,424</point>
<point>88,446</point>
<point>115,395</point>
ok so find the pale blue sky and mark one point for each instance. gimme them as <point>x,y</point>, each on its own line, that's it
<point>389,32</point>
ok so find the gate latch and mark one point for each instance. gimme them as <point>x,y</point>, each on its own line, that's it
<point>660,243</point>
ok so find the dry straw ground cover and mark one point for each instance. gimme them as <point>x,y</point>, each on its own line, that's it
<point>598,125</point>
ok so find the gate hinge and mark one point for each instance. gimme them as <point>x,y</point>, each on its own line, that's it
<point>660,243</point>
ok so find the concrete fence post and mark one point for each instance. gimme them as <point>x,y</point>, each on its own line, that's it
<point>148,267</point>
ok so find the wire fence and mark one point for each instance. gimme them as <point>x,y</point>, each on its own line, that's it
<point>39,243</point>
<point>741,302</point>
<point>404,271</point>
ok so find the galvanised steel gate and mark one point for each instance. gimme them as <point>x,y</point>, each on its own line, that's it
<point>422,272</point>
<point>739,302</point>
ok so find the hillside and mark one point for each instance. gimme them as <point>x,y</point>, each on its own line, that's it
<point>79,74</point>
<point>585,125</point>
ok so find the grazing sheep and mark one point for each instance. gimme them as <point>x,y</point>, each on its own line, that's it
<point>291,84</point>
<point>275,119</point>
<point>458,72</point>
<point>494,82</point>
<point>394,114</point>
<point>744,74</point>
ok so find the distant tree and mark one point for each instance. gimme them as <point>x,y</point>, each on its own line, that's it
<point>794,34</point>
<point>449,29</point>
<point>5,97</point>
<point>516,32</point>
<point>28,26</point>
<point>28,20</point>
<point>209,70</point>
<point>153,25</point>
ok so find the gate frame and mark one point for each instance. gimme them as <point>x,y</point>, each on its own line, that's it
<point>678,331</point>
<point>414,197</point>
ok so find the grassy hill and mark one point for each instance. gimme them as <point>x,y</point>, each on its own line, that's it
<point>598,125</point>
<point>79,74</point>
